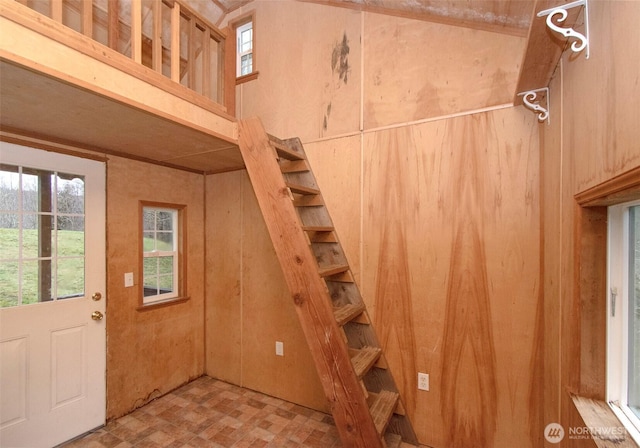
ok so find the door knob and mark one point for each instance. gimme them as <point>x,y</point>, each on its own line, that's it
<point>97,315</point>
<point>96,296</point>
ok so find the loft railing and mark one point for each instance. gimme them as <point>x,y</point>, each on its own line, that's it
<point>165,35</point>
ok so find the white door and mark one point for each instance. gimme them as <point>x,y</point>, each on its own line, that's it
<point>52,267</point>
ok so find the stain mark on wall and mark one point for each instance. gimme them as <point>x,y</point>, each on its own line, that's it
<point>340,59</point>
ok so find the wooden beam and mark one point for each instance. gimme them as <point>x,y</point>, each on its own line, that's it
<point>426,15</point>
<point>544,50</point>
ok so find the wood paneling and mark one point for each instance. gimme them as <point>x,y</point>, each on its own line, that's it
<point>223,307</point>
<point>592,139</point>
<point>451,273</point>
<point>150,352</point>
<point>248,304</point>
<point>415,70</point>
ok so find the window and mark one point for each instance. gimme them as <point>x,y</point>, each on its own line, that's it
<point>42,235</point>
<point>162,233</point>
<point>245,51</point>
<point>623,359</point>
<point>244,36</point>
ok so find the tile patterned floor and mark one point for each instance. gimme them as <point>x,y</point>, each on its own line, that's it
<point>211,413</point>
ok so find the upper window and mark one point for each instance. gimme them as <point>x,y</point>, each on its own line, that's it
<point>623,354</point>
<point>244,59</point>
<point>161,253</point>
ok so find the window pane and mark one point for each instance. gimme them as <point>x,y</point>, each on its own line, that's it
<point>165,241</point>
<point>9,186</point>
<point>634,310</point>
<point>37,243</point>
<point>246,40</point>
<point>37,188</point>
<point>9,235</point>
<point>148,219</point>
<point>166,284</point>
<point>150,267</point>
<point>246,64</point>
<point>150,286</point>
<point>8,284</point>
<point>70,280</point>
<point>165,265</point>
<point>70,242</point>
<point>148,242</point>
<point>36,281</point>
<point>164,221</point>
<point>70,190</point>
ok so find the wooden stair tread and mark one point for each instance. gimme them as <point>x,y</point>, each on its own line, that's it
<point>294,166</point>
<point>392,440</point>
<point>364,359</point>
<point>326,271</point>
<point>308,201</point>
<point>347,312</point>
<point>284,151</point>
<point>318,228</point>
<point>301,189</point>
<point>382,409</point>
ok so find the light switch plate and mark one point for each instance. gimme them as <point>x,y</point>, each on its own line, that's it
<point>128,280</point>
<point>279,348</point>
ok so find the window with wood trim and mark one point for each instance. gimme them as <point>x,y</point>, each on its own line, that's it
<point>623,329</point>
<point>162,231</point>
<point>245,48</point>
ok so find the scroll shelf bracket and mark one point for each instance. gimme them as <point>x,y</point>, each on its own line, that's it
<point>581,41</point>
<point>529,100</point>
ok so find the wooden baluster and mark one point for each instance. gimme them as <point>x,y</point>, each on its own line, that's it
<point>114,24</point>
<point>87,17</point>
<point>175,42</point>
<point>56,10</point>
<point>157,36</point>
<point>206,63</point>
<point>136,31</point>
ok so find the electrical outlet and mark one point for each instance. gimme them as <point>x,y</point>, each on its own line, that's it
<point>423,381</point>
<point>279,348</point>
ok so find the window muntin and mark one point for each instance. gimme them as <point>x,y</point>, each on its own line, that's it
<point>160,254</point>
<point>623,308</point>
<point>244,42</point>
<point>42,241</point>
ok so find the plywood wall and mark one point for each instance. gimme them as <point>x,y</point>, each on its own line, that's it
<point>415,70</point>
<point>328,71</point>
<point>593,137</point>
<point>151,352</point>
<point>451,273</point>
<point>248,304</point>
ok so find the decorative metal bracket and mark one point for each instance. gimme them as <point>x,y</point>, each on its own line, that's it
<point>582,40</point>
<point>530,96</point>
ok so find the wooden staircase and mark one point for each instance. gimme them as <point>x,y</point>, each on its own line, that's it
<point>364,399</point>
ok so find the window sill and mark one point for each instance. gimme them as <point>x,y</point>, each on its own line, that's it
<point>162,304</point>
<point>247,78</point>
<point>603,426</point>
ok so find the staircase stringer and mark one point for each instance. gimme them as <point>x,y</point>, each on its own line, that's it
<point>341,386</point>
